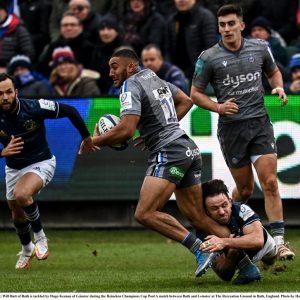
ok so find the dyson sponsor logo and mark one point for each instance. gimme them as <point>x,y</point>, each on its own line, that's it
<point>236,80</point>
<point>192,152</point>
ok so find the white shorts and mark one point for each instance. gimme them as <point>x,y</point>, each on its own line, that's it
<point>44,169</point>
<point>268,251</point>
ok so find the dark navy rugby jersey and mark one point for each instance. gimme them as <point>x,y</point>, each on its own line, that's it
<point>27,122</point>
<point>242,215</point>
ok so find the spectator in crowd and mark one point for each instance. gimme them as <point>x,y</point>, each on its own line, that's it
<point>248,6</point>
<point>71,34</point>
<point>282,16</point>
<point>102,7</point>
<point>110,38</point>
<point>29,83</point>
<point>293,86</point>
<point>88,17</point>
<point>14,37</point>
<point>260,28</point>
<point>68,78</point>
<point>143,25</point>
<point>36,14</point>
<point>190,30</point>
<point>152,59</point>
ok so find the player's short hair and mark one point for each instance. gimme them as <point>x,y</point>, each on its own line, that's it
<point>230,9</point>
<point>213,188</point>
<point>4,76</point>
<point>127,53</point>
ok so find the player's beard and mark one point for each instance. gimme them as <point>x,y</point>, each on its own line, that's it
<point>13,106</point>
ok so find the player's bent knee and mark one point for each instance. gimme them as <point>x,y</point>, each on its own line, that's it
<point>23,197</point>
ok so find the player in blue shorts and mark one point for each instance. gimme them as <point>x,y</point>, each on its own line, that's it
<point>235,67</point>
<point>30,164</point>
<point>154,107</point>
<point>248,235</point>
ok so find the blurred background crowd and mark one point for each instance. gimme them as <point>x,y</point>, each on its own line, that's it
<point>62,47</point>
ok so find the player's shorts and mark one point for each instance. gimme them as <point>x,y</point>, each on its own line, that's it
<point>268,251</point>
<point>244,139</point>
<point>178,162</point>
<point>44,169</point>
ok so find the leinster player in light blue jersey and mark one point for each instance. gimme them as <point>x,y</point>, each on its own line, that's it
<point>29,163</point>
<point>234,67</point>
<point>154,107</point>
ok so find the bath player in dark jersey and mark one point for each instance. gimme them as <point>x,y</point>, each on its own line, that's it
<point>30,164</point>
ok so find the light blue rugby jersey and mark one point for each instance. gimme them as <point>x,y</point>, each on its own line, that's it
<point>236,75</point>
<point>146,95</point>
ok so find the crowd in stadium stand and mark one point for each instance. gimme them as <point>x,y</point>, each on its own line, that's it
<point>33,33</point>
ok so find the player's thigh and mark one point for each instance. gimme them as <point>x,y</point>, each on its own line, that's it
<point>234,139</point>
<point>29,184</point>
<point>266,167</point>
<point>154,194</point>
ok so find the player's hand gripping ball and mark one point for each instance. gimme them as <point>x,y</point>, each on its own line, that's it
<point>105,124</point>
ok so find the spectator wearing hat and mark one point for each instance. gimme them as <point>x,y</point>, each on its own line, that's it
<point>293,86</point>
<point>14,37</point>
<point>69,79</point>
<point>110,38</point>
<point>260,28</point>
<point>71,34</point>
<point>29,83</point>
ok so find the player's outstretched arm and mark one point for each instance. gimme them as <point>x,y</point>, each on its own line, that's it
<point>73,115</point>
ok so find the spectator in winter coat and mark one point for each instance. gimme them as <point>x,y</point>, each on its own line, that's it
<point>71,34</point>
<point>68,78</point>
<point>14,37</point>
<point>143,25</point>
<point>190,30</point>
<point>110,38</point>
<point>152,59</point>
<point>29,83</point>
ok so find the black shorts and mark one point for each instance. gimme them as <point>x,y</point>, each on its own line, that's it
<point>243,139</point>
<point>178,162</point>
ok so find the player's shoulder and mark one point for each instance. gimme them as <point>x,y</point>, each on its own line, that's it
<point>209,53</point>
<point>256,43</point>
<point>243,210</point>
<point>32,105</point>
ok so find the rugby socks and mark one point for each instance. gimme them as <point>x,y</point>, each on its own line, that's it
<point>23,232</point>
<point>191,242</point>
<point>33,216</point>
<point>277,231</point>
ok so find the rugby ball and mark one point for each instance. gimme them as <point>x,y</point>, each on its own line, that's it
<point>105,124</point>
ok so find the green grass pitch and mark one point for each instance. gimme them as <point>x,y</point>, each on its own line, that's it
<point>105,261</point>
